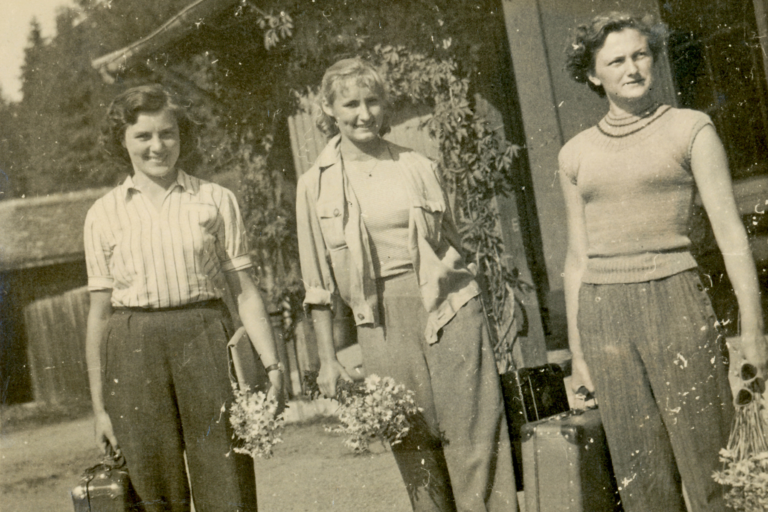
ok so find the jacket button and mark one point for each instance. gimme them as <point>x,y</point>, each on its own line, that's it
<point>336,212</point>
<point>700,286</point>
<point>360,316</point>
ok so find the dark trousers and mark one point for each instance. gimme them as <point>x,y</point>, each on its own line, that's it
<point>167,392</point>
<point>457,456</point>
<point>655,358</point>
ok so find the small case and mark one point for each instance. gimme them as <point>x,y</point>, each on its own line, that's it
<point>566,465</point>
<point>105,487</point>
<point>531,394</point>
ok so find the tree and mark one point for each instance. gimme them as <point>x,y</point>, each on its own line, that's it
<point>64,99</point>
<point>10,149</point>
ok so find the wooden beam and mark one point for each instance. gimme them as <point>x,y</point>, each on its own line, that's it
<point>179,26</point>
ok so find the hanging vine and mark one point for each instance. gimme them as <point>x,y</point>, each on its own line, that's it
<point>476,166</point>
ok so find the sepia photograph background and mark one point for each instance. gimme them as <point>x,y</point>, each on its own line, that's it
<point>252,69</point>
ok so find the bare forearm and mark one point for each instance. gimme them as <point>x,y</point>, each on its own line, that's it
<point>573,272</point>
<point>575,265</point>
<point>255,318</point>
<point>93,360</point>
<point>253,314</point>
<point>322,321</point>
<point>98,319</point>
<point>330,368</point>
<point>751,344</point>
<point>709,165</point>
<point>741,271</point>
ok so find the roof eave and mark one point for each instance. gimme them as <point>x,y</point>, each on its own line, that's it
<point>10,266</point>
<point>175,29</point>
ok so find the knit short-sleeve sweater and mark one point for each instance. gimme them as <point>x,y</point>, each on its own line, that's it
<point>634,176</point>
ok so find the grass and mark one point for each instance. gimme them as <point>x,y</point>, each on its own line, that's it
<point>23,416</point>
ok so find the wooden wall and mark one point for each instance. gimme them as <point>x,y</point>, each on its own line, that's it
<point>56,347</point>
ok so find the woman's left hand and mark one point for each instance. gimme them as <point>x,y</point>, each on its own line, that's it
<point>754,349</point>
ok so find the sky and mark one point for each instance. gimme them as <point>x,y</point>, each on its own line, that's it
<point>15,19</point>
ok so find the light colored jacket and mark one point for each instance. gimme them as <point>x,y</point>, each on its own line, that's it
<point>335,249</point>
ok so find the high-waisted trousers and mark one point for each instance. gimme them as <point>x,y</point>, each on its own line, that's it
<point>457,455</point>
<point>657,363</point>
<point>167,392</point>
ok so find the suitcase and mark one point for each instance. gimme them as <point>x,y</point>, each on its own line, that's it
<point>531,394</point>
<point>566,465</point>
<point>105,487</point>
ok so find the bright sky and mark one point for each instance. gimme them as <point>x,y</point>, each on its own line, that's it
<point>15,19</point>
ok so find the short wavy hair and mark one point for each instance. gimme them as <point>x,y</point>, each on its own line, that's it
<point>341,73</point>
<point>126,107</point>
<point>589,38</point>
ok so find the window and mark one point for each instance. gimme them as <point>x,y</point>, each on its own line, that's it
<point>718,68</point>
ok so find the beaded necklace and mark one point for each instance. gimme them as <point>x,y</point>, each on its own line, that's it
<point>624,126</point>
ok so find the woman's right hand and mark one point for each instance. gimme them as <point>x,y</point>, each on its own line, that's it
<point>329,374</point>
<point>580,376</point>
<point>105,436</point>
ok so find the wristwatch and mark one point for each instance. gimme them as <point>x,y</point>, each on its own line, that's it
<point>273,367</point>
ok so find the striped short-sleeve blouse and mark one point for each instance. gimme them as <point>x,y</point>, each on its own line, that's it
<point>165,258</point>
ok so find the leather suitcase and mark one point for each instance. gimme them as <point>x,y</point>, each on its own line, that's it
<point>566,465</point>
<point>105,488</point>
<point>531,394</point>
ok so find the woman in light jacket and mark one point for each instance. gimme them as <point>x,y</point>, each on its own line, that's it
<point>375,228</point>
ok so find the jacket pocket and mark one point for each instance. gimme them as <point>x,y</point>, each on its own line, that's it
<point>331,217</point>
<point>430,215</point>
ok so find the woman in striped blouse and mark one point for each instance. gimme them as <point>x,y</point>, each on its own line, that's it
<point>159,249</point>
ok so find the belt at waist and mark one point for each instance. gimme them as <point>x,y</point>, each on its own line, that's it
<point>203,304</point>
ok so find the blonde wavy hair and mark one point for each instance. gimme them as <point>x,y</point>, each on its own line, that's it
<point>336,77</point>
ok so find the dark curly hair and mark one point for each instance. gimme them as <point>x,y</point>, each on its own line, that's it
<point>126,107</point>
<point>364,74</point>
<point>589,38</point>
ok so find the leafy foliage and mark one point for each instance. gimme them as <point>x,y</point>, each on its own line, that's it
<point>475,163</point>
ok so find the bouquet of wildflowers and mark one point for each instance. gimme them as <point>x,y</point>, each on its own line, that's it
<point>745,459</point>
<point>377,407</point>
<point>255,421</point>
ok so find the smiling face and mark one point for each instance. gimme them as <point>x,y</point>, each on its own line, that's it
<point>624,67</point>
<point>153,144</point>
<point>358,111</point>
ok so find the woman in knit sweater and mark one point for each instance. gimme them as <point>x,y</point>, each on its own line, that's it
<point>375,229</point>
<point>640,325</point>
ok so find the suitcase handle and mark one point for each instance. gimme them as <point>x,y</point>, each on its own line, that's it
<point>113,459</point>
<point>583,396</point>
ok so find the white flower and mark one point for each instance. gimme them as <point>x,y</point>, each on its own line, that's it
<point>379,408</point>
<point>745,460</point>
<point>255,423</point>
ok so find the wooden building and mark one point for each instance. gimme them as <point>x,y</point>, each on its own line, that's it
<point>42,297</point>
